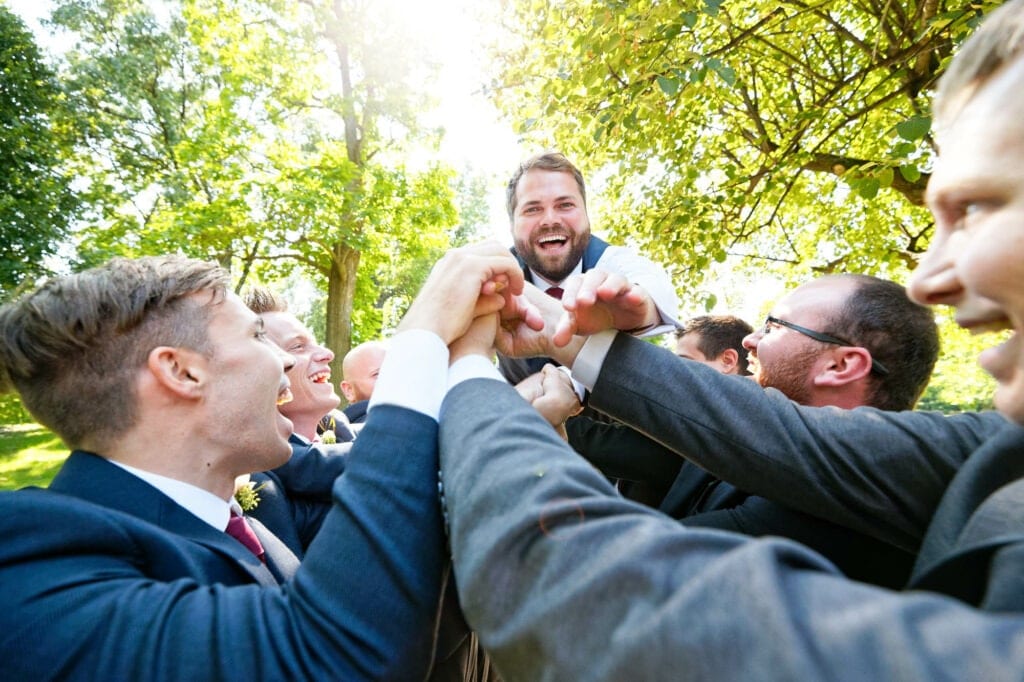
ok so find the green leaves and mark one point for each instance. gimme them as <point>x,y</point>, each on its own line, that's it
<point>670,86</point>
<point>914,128</point>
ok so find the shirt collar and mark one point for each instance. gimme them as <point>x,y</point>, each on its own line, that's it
<point>201,503</point>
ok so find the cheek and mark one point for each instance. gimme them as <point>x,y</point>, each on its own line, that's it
<point>991,263</point>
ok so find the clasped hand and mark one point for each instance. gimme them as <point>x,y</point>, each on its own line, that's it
<point>477,300</point>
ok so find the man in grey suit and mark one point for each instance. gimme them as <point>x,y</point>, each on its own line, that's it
<point>565,580</point>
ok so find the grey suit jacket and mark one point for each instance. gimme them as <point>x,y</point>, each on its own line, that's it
<point>565,580</point>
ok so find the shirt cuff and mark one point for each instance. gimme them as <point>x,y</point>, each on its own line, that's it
<point>413,374</point>
<point>472,367</point>
<point>587,366</point>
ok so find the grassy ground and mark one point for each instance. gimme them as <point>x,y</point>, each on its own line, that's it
<point>29,455</point>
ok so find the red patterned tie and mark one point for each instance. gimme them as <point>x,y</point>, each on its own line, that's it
<point>555,292</point>
<point>241,531</point>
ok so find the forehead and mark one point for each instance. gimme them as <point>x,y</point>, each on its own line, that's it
<point>281,326</point>
<point>226,310</point>
<point>368,359</point>
<point>538,183</point>
<point>982,143</point>
<point>814,299</point>
<point>687,345</point>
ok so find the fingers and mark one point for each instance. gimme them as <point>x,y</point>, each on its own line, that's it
<point>466,283</point>
<point>477,340</point>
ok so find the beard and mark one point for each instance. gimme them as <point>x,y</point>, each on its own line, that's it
<point>789,375</point>
<point>554,268</point>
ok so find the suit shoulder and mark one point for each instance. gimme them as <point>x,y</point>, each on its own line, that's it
<point>32,520</point>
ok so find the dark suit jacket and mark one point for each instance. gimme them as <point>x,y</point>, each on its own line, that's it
<point>563,579</point>
<point>106,578</point>
<point>697,498</point>
<point>356,412</point>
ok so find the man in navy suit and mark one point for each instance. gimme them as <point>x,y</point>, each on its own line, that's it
<point>164,385</point>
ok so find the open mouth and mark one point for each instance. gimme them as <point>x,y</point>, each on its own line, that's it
<point>551,241</point>
<point>321,377</point>
<point>284,395</point>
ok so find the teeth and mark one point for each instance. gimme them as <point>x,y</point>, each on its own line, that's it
<point>321,377</point>
<point>554,238</point>
<point>285,396</point>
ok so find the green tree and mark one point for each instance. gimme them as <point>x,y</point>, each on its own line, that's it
<point>37,203</point>
<point>228,131</point>
<point>784,136</point>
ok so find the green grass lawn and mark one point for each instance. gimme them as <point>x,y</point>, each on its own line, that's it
<point>29,455</point>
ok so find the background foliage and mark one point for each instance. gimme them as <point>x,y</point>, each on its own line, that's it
<point>734,142</point>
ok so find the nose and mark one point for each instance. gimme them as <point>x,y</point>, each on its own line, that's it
<point>324,354</point>
<point>935,281</point>
<point>750,340</point>
<point>550,216</point>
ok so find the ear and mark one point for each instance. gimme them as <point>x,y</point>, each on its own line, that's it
<point>346,390</point>
<point>845,365</point>
<point>181,371</point>
<point>728,361</point>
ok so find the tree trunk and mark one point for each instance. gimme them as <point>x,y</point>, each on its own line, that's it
<point>341,291</point>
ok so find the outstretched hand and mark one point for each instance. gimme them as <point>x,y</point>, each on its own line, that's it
<point>467,283</point>
<point>599,300</point>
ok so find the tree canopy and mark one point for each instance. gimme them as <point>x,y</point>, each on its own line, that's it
<point>787,137</point>
<point>266,134</point>
<point>37,202</point>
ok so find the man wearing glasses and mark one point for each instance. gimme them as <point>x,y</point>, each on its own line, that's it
<point>842,340</point>
<point>846,340</point>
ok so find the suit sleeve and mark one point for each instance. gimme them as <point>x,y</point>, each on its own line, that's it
<point>103,602</point>
<point>311,470</point>
<point>563,579</point>
<point>881,473</point>
<point>622,452</point>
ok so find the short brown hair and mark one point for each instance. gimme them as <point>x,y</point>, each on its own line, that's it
<point>999,41</point>
<point>548,161</point>
<point>264,300</point>
<point>902,335</point>
<point>72,347</point>
<point>717,334</point>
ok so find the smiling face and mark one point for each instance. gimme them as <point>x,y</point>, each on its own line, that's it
<point>787,360</point>
<point>974,261</point>
<point>246,382</point>
<point>550,227</point>
<point>312,391</point>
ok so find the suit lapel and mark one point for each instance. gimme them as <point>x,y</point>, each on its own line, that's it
<point>91,477</point>
<point>281,561</point>
<point>980,512</point>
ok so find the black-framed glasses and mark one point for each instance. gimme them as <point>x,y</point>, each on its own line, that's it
<point>876,366</point>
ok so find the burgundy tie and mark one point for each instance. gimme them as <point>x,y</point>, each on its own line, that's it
<point>555,292</point>
<point>241,531</point>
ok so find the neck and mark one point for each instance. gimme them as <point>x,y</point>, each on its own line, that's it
<point>305,425</point>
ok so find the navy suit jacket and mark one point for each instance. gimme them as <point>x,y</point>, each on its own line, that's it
<point>104,577</point>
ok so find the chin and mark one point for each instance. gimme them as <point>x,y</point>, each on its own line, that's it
<point>1009,400</point>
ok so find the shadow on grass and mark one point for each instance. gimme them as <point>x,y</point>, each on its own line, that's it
<point>29,455</point>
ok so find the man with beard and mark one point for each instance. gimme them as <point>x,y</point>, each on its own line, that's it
<point>842,340</point>
<point>547,208</point>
